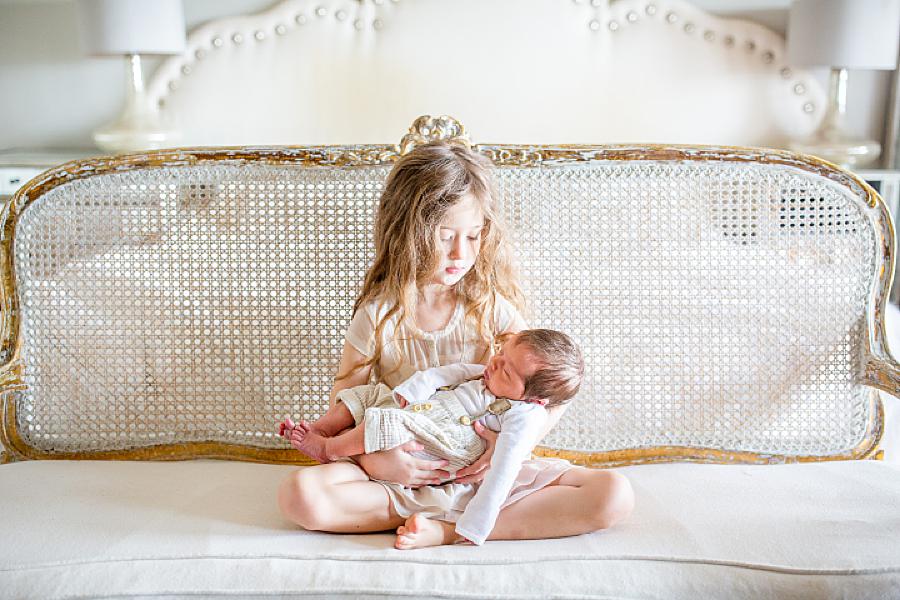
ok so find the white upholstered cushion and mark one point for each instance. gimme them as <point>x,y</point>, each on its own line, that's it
<point>212,528</point>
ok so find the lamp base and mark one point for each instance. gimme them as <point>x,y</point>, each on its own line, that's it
<point>140,126</point>
<point>830,140</point>
<point>846,152</point>
<point>126,136</point>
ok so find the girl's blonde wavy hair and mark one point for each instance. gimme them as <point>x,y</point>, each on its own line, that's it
<point>421,188</point>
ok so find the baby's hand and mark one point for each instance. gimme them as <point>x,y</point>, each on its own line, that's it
<point>401,401</point>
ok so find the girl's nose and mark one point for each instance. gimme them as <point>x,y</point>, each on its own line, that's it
<point>458,249</point>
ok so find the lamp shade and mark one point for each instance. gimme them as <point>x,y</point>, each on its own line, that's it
<point>849,34</point>
<point>114,27</point>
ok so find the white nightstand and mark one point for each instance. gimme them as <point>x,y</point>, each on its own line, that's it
<point>19,165</point>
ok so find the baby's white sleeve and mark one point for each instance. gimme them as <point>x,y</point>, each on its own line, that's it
<point>519,432</point>
<point>423,384</point>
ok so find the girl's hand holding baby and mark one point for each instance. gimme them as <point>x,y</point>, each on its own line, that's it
<point>399,466</point>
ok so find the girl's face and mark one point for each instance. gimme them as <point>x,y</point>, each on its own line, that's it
<point>459,241</point>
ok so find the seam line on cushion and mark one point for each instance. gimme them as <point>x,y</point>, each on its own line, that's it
<point>477,563</point>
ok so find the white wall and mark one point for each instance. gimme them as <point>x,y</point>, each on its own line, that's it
<point>53,96</point>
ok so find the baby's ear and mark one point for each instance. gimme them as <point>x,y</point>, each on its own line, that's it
<point>541,401</point>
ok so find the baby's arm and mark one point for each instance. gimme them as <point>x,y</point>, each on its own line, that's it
<point>520,428</point>
<point>423,384</point>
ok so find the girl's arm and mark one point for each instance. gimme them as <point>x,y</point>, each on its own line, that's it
<point>349,358</point>
<point>397,464</point>
<point>554,414</point>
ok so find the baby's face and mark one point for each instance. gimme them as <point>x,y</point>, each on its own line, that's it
<point>506,371</point>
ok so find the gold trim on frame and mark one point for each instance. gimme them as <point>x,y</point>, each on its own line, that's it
<point>877,368</point>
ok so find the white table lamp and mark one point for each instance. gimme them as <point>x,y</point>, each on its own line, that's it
<point>130,28</point>
<point>842,35</point>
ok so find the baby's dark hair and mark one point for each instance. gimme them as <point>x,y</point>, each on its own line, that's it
<point>561,371</point>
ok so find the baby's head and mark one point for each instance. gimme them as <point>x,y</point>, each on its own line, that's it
<point>536,365</point>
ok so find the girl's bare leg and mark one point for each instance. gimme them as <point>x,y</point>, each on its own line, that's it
<point>336,497</point>
<point>580,501</point>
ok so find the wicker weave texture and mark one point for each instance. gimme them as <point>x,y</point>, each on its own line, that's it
<point>718,305</point>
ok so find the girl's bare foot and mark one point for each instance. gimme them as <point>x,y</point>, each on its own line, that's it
<point>305,439</point>
<point>422,532</point>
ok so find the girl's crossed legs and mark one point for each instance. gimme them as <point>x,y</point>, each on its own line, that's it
<point>339,497</point>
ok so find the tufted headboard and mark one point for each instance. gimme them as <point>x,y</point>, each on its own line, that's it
<point>526,71</point>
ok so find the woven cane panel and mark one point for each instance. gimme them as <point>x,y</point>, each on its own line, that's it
<point>718,306</point>
<point>181,305</point>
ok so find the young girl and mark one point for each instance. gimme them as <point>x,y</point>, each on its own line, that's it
<point>440,290</point>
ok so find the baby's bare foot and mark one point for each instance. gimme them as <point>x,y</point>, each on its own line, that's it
<point>420,532</point>
<point>309,441</point>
